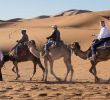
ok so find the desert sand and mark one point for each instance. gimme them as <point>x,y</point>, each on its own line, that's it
<point>77,27</point>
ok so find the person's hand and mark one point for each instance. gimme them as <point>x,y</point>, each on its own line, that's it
<point>93,34</point>
<point>47,38</point>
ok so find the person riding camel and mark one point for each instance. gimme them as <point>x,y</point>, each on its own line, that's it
<point>21,42</point>
<point>54,38</point>
<point>102,37</point>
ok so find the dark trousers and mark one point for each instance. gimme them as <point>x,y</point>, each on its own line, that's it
<point>97,42</point>
<point>18,46</point>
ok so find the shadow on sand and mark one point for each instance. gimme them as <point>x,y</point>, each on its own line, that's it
<point>61,82</point>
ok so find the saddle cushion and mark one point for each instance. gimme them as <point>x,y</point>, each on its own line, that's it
<point>52,46</point>
<point>104,45</point>
<point>101,46</point>
<point>22,51</point>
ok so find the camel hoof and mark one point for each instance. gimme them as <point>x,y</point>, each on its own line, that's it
<point>108,81</point>
<point>59,79</point>
<point>65,80</point>
<point>42,79</point>
<point>17,77</point>
<point>30,79</point>
<point>45,80</point>
<point>97,80</point>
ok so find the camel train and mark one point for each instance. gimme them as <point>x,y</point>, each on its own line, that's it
<point>64,51</point>
<point>55,49</point>
<point>30,48</point>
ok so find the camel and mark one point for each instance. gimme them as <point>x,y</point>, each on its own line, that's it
<point>1,65</point>
<point>55,53</point>
<point>28,56</point>
<point>103,54</point>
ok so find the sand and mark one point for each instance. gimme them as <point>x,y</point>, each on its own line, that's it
<point>73,28</point>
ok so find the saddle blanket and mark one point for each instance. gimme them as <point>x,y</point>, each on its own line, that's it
<point>104,45</point>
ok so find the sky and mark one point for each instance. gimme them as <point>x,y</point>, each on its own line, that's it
<point>32,8</point>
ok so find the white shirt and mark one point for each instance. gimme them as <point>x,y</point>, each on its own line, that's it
<point>104,33</point>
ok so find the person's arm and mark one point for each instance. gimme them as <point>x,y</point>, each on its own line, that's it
<point>20,41</point>
<point>100,35</point>
<point>95,34</point>
<point>49,37</point>
<point>57,36</point>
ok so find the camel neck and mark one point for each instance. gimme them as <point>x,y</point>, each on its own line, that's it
<point>81,53</point>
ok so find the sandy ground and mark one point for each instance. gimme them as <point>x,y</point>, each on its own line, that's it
<point>83,86</point>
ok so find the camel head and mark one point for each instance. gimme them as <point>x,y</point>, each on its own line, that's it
<point>30,43</point>
<point>75,47</point>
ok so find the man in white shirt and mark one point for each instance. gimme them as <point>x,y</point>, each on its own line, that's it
<point>103,36</point>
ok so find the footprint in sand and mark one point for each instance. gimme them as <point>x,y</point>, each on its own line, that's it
<point>47,87</point>
<point>43,95</point>
<point>108,94</point>
<point>3,90</point>
<point>5,97</point>
<point>19,89</point>
<point>24,96</point>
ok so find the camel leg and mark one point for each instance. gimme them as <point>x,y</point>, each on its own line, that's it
<point>34,71</point>
<point>1,65</point>
<point>68,69</point>
<point>93,71</point>
<point>43,69</point>
<point>46,69</point>
<point>72,71</point>
<point>13,69</point>
<point>17,70</point>
<point>52,72</point>
<point>1,78</point>
<point>71,67</point>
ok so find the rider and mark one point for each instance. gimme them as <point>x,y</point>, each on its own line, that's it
<point>103,36</point>
<point>54,38</point>
<point>21,42</point>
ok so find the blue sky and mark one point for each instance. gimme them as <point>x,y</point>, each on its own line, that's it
<point>32,8</point>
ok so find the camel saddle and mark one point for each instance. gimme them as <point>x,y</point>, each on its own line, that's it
<point>22,51</point>
<point>104,45</point>
<point>54,46</point>
<point>101,46</point>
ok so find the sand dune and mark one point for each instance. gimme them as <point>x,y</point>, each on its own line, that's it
<point>77,27</point>
<point>82,20</point>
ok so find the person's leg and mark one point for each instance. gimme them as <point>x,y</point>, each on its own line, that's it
<point>47,45</point>
<point>94,47</point>
<point>16,50</point>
